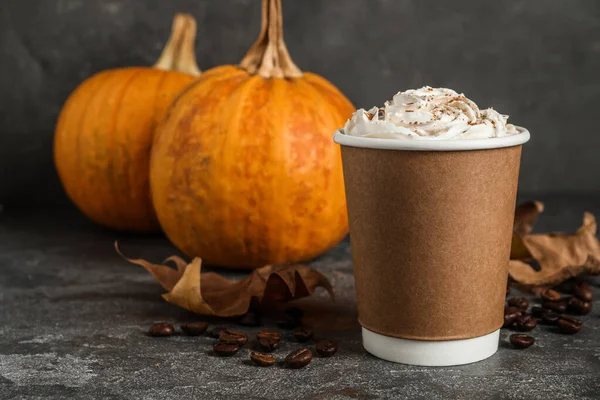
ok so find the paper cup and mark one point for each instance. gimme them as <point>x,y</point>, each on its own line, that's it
<point>430,230</point>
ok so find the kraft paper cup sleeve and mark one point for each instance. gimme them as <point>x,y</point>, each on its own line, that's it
<point>430,233</point>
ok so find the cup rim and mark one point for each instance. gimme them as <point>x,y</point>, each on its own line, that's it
<point>432,145</point>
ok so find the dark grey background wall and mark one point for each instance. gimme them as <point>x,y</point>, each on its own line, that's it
<point>537,60</point>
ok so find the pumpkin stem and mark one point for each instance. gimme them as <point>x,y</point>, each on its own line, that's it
<point>268,56</point>
<point>179,52</point>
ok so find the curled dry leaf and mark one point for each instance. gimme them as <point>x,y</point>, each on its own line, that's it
<point>209,293</point>
<point>560,256</point>
<point>525,216</point>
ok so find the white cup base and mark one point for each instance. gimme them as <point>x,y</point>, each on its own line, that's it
<point>431,353</point>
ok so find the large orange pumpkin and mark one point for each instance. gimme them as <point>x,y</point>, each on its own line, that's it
<point>244,171</point>
<point>105,130</point>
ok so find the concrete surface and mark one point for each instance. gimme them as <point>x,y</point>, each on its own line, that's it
<point>74,316</point>
<point>536,60</point>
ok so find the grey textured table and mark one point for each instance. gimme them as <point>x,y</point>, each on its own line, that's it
<point>74,316</point>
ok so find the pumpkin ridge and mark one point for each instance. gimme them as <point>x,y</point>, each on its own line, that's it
<point>243,92</point>
<point>141,187</point>
<point>98,194</point>
<point>282,189</point>
<point>65,126</point>
<point>119,195</point>
<point>317,103</point>
<point>161,81</point>
<point>80,128</point>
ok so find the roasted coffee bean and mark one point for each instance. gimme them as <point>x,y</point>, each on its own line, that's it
<point>262,360</point>
<point>225,349</point>
<point>161,329</point>
<point>216,331</point>
<point>194,328</point>
<point>550,295</point>
<point>268,344</point>
<point>510,315</point>
<point>509,320</point>
<point>556,306</point>
<point>268,340</point>
<point>288,322</point>
<point>550,318</point>
<point>298,358</point>
<point>507,290</point>
<point>304,335</point>
<point>294,312</point>
<point>326,348</point>
<point>249,319</point>
<point>269,334</point>
<point>233,337</point>
<point>521,340</point>
<point>582,291</point>
<point>525,323</point>
<point>513,310</point>
<point>546,316</point>
<point>568,325</point>
<point>578,307</point>
<point>519,302</point>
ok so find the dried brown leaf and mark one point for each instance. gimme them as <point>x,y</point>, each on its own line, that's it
<point>560,256</point>
<point>209,293</point>
<point>525,216</point>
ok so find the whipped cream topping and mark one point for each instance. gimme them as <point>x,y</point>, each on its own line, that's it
<point>429,113</point>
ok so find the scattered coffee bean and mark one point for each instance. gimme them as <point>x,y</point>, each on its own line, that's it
<point>578,307</point>
<point>550,318</point>
<point>525,323</point>
<point>268,344</point>
<point>249,319</point>
<point>294,312</point>
<point>568,325</point>
<point>263,360</point>
<point>521,340</point>
<point>550,295</point>
<point>225,349</point>
<point>556,306</point>
<point>216,331</point>
<point>519,302</point>
<point>268,340</point>
<point>194,328</point>
<point>509,320</point>
<point>288,322</point>
<point>546,316</point>
<point>326,348</point>
<point>513,310</point>
<point>233,337</point>
<point>298,358</point>
<point>510,315</point>
<point>161,329</point>
<point>582,291</point>
<point>269,334</point>
<point>303,335</point>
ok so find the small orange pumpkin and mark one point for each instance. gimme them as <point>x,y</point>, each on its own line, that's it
<point>105,130</point>
<point>244,171</point>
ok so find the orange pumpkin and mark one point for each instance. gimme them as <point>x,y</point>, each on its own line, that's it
<point>105,130</point>
<point>244,171</point>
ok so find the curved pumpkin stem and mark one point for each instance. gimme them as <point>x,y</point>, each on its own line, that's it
<point>179,52</point>
<point>269,57</point>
